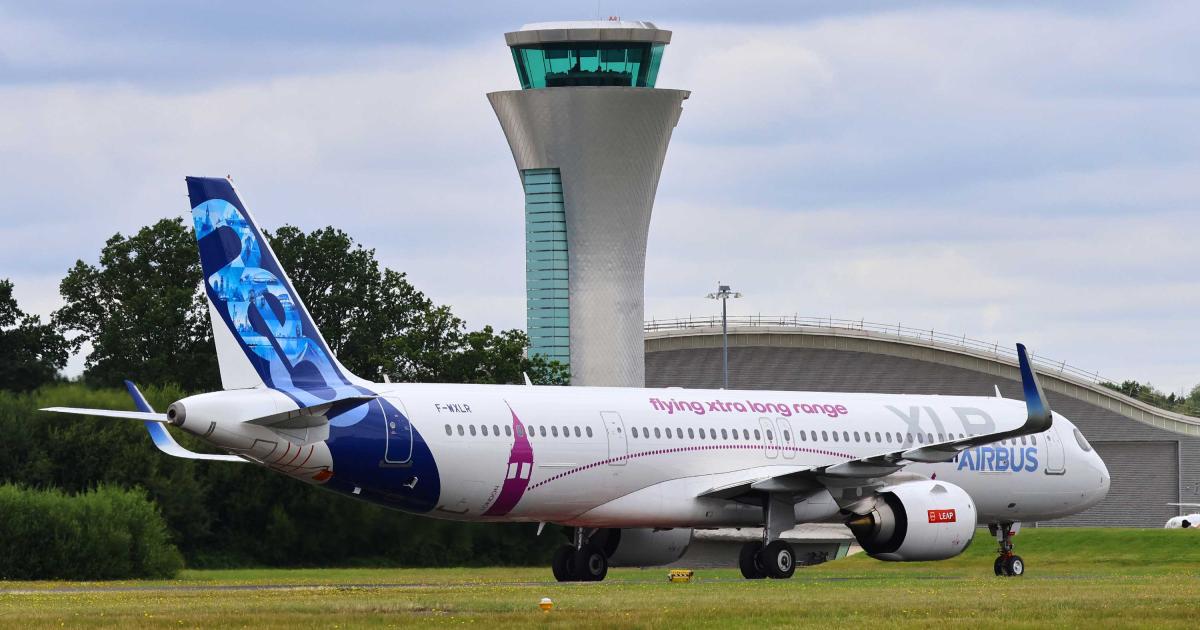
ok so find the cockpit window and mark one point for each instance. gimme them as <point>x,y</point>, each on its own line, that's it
<point>1083,443</point>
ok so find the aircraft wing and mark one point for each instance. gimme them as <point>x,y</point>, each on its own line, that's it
<point>1039,419</point>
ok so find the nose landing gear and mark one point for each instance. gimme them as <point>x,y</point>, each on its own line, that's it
<point>1008,564</point>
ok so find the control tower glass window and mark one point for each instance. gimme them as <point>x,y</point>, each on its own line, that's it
<point>566,64</point>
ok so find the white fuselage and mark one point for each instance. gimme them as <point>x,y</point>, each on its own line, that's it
<point>617,457</point>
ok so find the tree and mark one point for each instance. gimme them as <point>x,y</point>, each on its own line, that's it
<point>144,314</point>
<point>141,310</point>
<point>31,353</point>
<point>377,323</point>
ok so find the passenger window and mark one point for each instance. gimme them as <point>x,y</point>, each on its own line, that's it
<point>691,434</point>
<point>483,429</point>
<point>588,430</point>
<point>507,431</point>
<point>835,436</point>
<point>657,434</point>
<point>635,432</point>
<point>471,428</point>
<point>735,434</point>
<point>856,436</point>
<point>566,432</point>
<point>554,431</point>
<point>845,436</point>
<point>888,435</point>
<point>460,430</point>
<point>542,431</point>
<point>712,434</point>
<point>746,434</point>
<point>679,433</point>
<point>496,430</point>
<point>757,435</point>
<point>577,434</point>
<point>867,436</point>
<point>449,431</point>
<point>520,430</point>
<point>1022,440</point>
<point>921,438</point>
<point>929,438</point>
<point>770,436</point>
<point>824,436</point>
<point>908,437</point>
<point>724,434</point>
<point>814,436</point>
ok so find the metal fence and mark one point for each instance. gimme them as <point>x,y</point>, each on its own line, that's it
<point>896,331</point>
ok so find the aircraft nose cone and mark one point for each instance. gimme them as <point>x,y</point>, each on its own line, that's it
<point>1104,481</point>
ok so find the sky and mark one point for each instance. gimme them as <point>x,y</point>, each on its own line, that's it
<point>1017,171</point>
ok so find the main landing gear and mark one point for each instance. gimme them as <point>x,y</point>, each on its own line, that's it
<point>771,557</point>
<point>1008,563</point>
<point>581,561</point>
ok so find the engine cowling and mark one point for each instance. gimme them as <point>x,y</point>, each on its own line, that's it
<point>643,547</point>
<point>918,520</point>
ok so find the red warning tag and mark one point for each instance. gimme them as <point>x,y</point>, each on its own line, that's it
<point>941,516</point>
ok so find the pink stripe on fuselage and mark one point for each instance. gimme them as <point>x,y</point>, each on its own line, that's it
<point>514,487</point>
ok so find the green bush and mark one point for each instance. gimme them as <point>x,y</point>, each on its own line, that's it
<point>103,534</point>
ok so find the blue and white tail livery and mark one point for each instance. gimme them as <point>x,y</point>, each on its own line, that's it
<point>632,470</point>
<point>268,338</point>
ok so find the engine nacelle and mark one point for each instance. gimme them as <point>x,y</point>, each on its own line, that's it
<point>643,547</point>
<point>918,520</point>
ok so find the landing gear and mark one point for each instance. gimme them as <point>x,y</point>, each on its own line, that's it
<point>780,559</point>
<point>749,562</point>
<point>771,557</point>
<point>1008,564</point>
<point>580,562</point>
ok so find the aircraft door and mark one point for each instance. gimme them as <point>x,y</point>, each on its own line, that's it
<point>787,438</point>
<point>398,445</point>
<point>1056,459</point>
<point>618,442</point>
<point>770,445</point>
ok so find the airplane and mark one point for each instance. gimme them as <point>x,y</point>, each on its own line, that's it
<point>1186,521</point>
<point>633,472</point>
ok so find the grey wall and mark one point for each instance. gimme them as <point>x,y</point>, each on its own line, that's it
<point>1146,463</point>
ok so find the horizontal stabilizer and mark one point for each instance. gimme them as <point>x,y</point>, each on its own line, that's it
<point>162,437</point>
<point>109,413</point>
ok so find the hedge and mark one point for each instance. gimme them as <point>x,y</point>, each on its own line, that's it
<point>103,534</point>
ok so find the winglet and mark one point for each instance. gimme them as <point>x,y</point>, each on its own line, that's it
<point>162,438</point>
<point>1040,417</point>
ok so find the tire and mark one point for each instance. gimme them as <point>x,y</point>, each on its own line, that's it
<point>749,563</point>
<point>560,565</point>
<point>1014,566</point>
<point>589,564</point>
<point>999,565</point>
<point>779,559</point>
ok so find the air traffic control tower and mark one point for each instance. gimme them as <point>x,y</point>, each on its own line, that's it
<point>588,131</point>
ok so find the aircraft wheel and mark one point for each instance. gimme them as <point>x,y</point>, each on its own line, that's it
<point>590,565</point>
<point>561,564</point>
<point>779,559</point>
<point>1014,566</point>
<point>749,562</point>
<point>999,565</point>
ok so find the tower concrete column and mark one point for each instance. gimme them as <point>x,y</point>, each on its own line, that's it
<point>589,134</point>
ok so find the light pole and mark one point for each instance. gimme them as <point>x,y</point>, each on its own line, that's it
<point>723,293</point>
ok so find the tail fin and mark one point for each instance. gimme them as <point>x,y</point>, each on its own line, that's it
<point>263,333</point>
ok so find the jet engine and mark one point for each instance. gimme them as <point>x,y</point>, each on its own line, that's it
<point>918,520</point>
<point>642,547</point>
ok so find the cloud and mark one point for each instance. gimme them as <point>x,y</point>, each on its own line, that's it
<point>1013,172</point>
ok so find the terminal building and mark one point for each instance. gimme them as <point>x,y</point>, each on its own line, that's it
<point>589,131</point>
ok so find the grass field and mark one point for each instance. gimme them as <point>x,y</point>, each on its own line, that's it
<point>1075,578</point>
